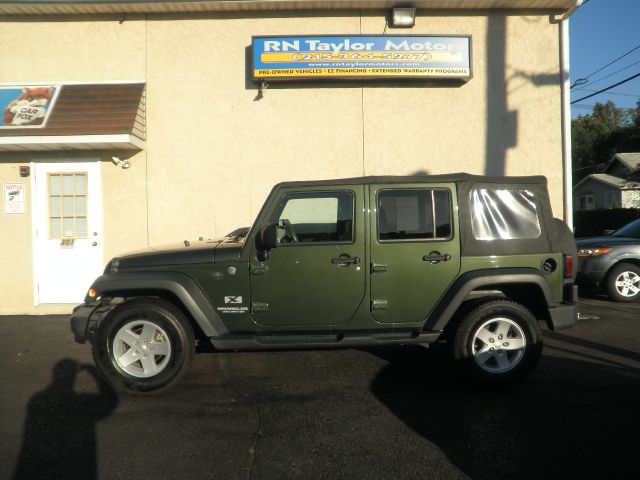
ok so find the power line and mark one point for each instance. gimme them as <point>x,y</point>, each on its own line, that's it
<point>606,76</point>
<point>583,105</point>
<point>583,80</point>
<point>608,88</point>
<point>612,93</point>
<point>590,166</point>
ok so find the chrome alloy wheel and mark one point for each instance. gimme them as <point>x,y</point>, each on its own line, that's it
<point>141,348</point>
<point>498,345</point>
<point>628,284</point>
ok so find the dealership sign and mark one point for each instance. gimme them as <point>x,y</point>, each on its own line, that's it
<point>26,106</point>
<point>362,57</point>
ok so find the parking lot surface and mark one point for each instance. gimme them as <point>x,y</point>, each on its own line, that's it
<point>375,414</point>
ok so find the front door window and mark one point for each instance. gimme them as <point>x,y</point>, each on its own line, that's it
<point>315,218</point>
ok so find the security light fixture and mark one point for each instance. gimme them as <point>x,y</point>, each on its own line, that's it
<point>402,18</point>
<point>120,163</point>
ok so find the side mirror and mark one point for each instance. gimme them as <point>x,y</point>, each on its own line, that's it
<point>269,237</point>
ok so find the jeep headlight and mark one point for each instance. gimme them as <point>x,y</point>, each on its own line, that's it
<point>594,252</point>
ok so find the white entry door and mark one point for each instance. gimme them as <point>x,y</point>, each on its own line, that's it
<point>68,230</point>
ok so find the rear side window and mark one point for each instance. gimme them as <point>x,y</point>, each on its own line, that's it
<point>503,214</point>
<point>414,215</point>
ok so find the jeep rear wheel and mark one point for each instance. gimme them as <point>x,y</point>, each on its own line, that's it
<point>144,345</point>
<point>498,342</point>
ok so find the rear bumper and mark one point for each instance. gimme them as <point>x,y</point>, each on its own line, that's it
<point>85,319</point>
<point>565,315</point>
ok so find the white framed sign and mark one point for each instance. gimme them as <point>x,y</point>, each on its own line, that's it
<point>14,198</point>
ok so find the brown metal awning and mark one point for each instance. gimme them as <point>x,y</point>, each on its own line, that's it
<point>123,6</point>
<point>86,117</point>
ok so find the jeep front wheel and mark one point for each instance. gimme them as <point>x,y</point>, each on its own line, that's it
<point>498,342</point>
<point>144,345</point>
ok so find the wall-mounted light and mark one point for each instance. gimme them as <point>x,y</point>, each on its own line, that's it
<point>120,163</point>
<point>402,18</point>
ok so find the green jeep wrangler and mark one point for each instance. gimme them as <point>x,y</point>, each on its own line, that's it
<point>470,261</point>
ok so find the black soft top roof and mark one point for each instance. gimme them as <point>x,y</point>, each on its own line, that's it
<point>465,183</point>
<point>446,178</point>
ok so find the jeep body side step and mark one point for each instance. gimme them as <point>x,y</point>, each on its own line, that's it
<point>289,341</point>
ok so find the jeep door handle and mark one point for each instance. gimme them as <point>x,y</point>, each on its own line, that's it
<point>345,260</point>
<point>435,257</point>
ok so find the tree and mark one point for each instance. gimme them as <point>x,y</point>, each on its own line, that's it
<point>596,137</point>
<point>634,115</point>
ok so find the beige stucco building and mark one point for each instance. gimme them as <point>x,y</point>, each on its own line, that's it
<point>204,143</point>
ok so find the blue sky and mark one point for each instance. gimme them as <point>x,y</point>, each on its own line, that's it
<point>601,31</point>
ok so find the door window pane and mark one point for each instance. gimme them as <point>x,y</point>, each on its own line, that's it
<point>81,227</point>
<point>81,206</point>
<point>315,217</point>
<point>54,207</point>
<point>68,205</point>
<point>413,215</point>
<point>67,184</point>
<point>54,184</point>
<point>80,184</point>
<point>67,227</point>
<point>55,227</point>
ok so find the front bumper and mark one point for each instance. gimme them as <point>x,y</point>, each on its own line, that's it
<point>592,270</point>
<point>565,314</point>
<point>86,318</point>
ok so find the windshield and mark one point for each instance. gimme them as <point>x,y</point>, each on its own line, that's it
<point>632,230</point>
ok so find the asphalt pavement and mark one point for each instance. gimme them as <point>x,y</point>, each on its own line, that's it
<point>370,414</point>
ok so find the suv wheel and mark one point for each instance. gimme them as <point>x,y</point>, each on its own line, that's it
<point>623,283</point>
<point>498,342</point>
<point>144,345</point>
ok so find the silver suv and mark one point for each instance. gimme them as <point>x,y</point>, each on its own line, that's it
<point>612,263</point>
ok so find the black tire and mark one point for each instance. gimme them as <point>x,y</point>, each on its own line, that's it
<point>623,283</point>
<point>144,345</point>
<point>510,346</point>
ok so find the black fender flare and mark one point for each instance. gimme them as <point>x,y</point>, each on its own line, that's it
<point>477,279</point>
<point>183,287</point>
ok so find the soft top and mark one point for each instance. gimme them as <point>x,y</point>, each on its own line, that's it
<point>446,178</point>
<point>465,183</point>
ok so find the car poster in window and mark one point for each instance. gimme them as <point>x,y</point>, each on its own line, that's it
<point>421,57</point>
<point>26,106</point>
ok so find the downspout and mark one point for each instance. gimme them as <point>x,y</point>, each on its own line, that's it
<point>566,114</point>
